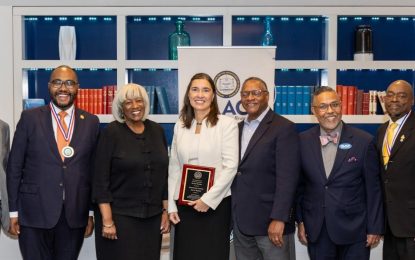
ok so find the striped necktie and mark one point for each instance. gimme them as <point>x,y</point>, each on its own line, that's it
<point>387,145</point>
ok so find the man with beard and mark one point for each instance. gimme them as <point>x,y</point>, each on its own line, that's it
<point>340,210</point>
<point>396,145</point>
<point>49,173</point>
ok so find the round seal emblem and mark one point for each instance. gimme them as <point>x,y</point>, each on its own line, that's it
<point>197,175</point>
<point>227,84</point>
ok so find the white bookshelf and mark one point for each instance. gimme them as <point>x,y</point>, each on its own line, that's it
<point>121,64</point>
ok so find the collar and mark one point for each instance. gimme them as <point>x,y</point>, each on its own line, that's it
<point>57,109</point>
<point>401,120</point>
<point>259,118</point>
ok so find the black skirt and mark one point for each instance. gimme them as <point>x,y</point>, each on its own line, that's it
<point>203,236</point>
<point>138,239</point>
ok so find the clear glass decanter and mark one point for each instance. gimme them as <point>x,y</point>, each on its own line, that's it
<point>267,38</point>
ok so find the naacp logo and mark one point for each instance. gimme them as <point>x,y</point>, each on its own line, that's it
<point>197,175</point>
<point>227,84</point>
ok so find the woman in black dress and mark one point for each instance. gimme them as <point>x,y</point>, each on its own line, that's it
<point>130,181</point>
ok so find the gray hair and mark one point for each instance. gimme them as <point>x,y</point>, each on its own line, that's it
<point>129,91</point>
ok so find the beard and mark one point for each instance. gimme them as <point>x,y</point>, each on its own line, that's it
<point>63,105</point>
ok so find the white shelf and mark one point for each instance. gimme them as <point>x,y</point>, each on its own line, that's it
<point>375,65</point>
<point>350,119</point>
<point>121,64</point>
<point>157,118</point>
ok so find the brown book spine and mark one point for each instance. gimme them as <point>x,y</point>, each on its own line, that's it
<point>359,102</point>
<point>110,96</point>
<point>350,100</point>
<point>366,103</point>
<point>344,100</point>
<point>99,101</point>
<point>104,100</point>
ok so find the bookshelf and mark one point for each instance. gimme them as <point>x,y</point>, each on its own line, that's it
<point>314,46</point>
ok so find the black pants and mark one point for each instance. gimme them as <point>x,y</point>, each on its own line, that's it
<point>398,248</point>
<point>58,243</point>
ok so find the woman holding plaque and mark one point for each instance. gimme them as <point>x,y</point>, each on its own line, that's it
<point>203,139</point>
<point>130,181</point>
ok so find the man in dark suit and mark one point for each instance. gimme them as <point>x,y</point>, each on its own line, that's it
<point>49,174</point>
<point>264,187</point>
<point>396,144</point>
<point>340,209</point>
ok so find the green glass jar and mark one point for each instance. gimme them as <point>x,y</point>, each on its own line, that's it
<point>178,38</point>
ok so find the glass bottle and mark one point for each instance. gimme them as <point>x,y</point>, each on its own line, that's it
<point>178,38</point>
<point>267,38</point>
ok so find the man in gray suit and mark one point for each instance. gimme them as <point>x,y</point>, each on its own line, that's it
<point>4,153</point>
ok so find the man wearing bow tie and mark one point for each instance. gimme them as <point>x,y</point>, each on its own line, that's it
<point>396,145</point>
<point>340,211</point>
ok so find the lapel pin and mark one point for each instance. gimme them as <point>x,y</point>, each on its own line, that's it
<point>82,116</point>
<point>402,138</point>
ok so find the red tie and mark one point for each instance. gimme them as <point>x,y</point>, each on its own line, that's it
<point>60,139</point>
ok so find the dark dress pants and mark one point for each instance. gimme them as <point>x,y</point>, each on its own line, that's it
<point>58,243</point>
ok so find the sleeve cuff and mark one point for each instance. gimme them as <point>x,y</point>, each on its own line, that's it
<point>14,214</point>
<point>91,213</point>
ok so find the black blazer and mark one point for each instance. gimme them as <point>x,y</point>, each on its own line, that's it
<point>37,178</point>
<point>265,184</point>
<point>399,179</point>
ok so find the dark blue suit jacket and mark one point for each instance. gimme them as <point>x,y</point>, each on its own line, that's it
<point>350,199</point>
<point>265,184</point>
<point>37,179</point>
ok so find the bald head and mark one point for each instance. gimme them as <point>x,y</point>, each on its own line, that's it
<point>63,69</point>
<point>399,99</point>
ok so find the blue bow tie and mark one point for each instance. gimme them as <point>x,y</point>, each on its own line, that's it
<point>325,139</point>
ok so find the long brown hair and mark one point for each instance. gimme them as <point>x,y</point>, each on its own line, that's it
<point>187,114</point>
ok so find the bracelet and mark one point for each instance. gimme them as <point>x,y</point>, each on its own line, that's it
<point>108,226</point>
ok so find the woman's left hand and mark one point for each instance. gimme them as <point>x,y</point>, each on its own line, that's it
<point>199,205</point>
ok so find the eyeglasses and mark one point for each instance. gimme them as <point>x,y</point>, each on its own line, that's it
<point>400,95</point>
<point>57,83</point>
<point>255,93</point>
<point>324,107</point>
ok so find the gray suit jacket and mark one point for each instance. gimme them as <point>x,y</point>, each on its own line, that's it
<point>4,153</point>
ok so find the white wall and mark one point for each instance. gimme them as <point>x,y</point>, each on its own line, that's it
<point>6,65</point>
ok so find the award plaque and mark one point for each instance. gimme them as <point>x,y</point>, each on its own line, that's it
<point>196,181</point>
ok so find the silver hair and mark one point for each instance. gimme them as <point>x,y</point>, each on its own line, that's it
<point>129,91</point>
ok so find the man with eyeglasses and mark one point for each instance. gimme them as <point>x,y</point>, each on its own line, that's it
<point>340,211</point>
<point>49,173</point>
<point>396,146</point>
<point>264,187</point>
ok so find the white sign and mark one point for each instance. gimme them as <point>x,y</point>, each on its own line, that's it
<point>229,67</point>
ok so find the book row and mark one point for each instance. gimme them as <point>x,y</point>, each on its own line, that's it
<point>99,101</point>
<point>293,100</point>
<point>357,102</point>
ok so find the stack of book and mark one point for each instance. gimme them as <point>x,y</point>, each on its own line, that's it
<point>96,101</point>
<point>158,98</point>
<point>99,101</point>
<point>293,100</point>
<point>357,102</point>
